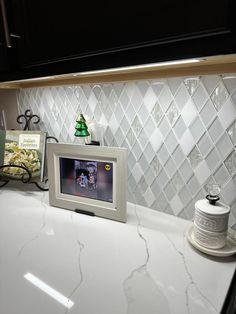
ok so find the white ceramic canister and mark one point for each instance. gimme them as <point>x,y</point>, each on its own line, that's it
<point>211,217</point>
<point>209,239</point>
<point>211,222</point>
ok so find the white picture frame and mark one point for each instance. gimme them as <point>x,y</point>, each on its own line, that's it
<point>67,164</point>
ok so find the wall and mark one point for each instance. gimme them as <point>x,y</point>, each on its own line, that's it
<point>8,104</point>
<point>180,133</point>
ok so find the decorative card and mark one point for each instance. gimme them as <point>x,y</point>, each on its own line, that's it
<point>22,148</point>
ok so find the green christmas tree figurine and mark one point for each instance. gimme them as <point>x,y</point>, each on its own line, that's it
<point>81,127</point>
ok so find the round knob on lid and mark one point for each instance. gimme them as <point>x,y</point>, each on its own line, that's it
<point>213,193</point>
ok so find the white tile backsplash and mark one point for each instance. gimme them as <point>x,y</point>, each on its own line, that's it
<point>180,133</point>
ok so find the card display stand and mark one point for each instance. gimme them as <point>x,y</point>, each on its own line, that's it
<point>28,117</point>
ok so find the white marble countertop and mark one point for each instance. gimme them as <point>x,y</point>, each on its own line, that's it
<point>55,261</point>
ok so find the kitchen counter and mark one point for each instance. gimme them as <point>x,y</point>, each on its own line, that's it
<point>55,261</point>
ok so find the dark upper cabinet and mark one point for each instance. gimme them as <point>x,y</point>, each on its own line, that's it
<point>4,63</point>
<point>58,37</point>
<point>3,55</point>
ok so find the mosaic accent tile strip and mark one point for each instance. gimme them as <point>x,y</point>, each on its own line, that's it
<point>180,133</point>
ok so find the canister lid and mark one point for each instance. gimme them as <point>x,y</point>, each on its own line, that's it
<point>217,209</point>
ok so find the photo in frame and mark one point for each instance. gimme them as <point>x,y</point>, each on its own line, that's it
<point>88,179</point>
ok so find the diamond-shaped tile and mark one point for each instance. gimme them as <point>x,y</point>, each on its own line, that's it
<point>230,162</point>
<point>130,113</point>
<point>156,140</point>
<point>150,176</point>
<point>149,197</point>
<point>97,113</point>
<point>200,97</point>
<point>124,124</point>
<point>230,83</point>
<point>149,99</point>
<point>178,156</point>
<point>224,146</point>
<point>107,88</point>
<point>164,127</point>
<point>124,99</point>
<point>221,175</point>
<point>228,192</point>
<point>193,185</point>
<point>162,178</point>
<point>157,113</point>
<point>182,96</point>
<point>136,100</point>
<point>171,142</point>
<point>185,196</point>
<point>149,126</point>
<point>219,96</point>
<point>143,114</point>
<point>172,113</point>
<point>143,163</point>
<point>163,154</point>
<point>186,170</point>
<point>169,191</point>
<point>174,84</point>
<point>188,211</point>
<point>208,113</point>
<point>170,167</point>
<point>137,172</point>
<point>215,130</point>
<point>189,112</point>
<point>197,128</point>
<point>137,150</point>
<point>227,114</point>
<point>143,185</point>
<point>119,137</point>
<point>213,159</point>
<point>179,127</point>
<point>131,137</point>
<point>155,165</point>
<point>162,201</point>
<point>232,133</point>
<point>149,152</point>
<point>177,181</point>
<point>136,126</point>
<point>165,98</point>
<point>202,172</point>
<point>143,139</point>
<point>205,144</point>
<point>191,84</point>
<point>119,113</point>
<point>157,87</point>
<point>113,99</point>
<point>143,87</point>
<point>195,157</point>
<point>131,160</point>
<point>155,187</point>
<point>210,82</point>
<point>118,89</point>
<point>176,205</point>
<point>187,142</point>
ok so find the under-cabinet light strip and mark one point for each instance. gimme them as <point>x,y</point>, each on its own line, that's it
<point>142,66</point>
